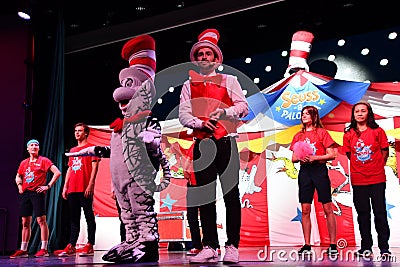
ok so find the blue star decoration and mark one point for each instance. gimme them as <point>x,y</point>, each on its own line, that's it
<point>388,208</point>
<point>298,216</point>
<point>168,202</point>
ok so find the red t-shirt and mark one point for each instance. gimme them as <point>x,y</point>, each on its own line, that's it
<point>319,140</point>
<point>367,165</point>
<point>80,170</point>
<point>34,173</point>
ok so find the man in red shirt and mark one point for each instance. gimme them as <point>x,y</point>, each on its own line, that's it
<point>78,190</point>
<point>31,183</point>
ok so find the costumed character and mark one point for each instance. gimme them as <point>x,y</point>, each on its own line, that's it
<point>135,155</point>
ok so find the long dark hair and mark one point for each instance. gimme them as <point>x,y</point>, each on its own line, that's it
<point>371,123</point>
<point>315,120</point>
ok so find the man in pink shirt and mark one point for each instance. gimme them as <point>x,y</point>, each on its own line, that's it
<point>212,104</point>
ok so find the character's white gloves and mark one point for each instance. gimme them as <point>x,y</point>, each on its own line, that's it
<point>151,136</point>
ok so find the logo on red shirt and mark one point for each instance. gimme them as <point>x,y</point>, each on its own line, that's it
<point>29,175</point>
<point>363,152</point>
<point>76,164</point>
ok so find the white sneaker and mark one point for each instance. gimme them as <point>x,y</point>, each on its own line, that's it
<point>207,254</point>
<point>231,254</point>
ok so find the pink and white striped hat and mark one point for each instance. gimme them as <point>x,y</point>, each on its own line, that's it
<point>208,38</point>
<point>299,50</point>
<point>141,55</point>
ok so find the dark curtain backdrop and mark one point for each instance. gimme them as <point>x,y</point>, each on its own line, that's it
<point>53,142</point>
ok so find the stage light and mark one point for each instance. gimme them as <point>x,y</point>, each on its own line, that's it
<point>365,51</point>
<point>341,42</point>
<point>25,11</point>
<point>392,35</point>
<point>180,4</point>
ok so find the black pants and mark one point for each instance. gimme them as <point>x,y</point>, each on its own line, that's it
<point>122,230</point>
<point>213,158</point>
<point>76,201</point>
<point>363,197</point>
<point>193,220</point>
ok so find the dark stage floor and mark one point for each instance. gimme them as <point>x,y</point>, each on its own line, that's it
<point>254,256</point>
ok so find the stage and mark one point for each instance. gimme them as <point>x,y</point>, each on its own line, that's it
<point>249,256</point>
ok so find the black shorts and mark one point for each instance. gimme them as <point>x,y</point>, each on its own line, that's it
<point>32,202</point>
<point>314,177</point>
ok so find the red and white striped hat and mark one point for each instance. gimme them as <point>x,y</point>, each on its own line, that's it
<point>208,38</point>
<point>141,55</point>
<point>299,50</point>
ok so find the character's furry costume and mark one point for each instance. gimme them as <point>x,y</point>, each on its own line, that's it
<point>135,156</point>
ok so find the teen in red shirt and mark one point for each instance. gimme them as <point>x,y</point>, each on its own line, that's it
<point>78,190</point>
<point>313,175</point>
<point>367,147</point>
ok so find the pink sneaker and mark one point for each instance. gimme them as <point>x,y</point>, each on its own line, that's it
<point>231,254</point>
<point>19,254</point>
<point>42,253</point>
<point>206,255</point>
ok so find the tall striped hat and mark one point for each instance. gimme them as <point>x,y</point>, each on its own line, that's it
<point>299,50</point>
<point>141,55</point>
<point>208,38</point>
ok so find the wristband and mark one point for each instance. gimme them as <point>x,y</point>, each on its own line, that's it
<point>49,186</point>
<point>224,112</point>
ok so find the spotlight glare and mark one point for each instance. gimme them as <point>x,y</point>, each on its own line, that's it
<point>244,92</point>
<point>159,101</point>
<point>284,53</point>
<point>171,89</point>
<point>331,57</point>
<point>256,80</point>
<point>220,68</point>
<point>268,68</point>
<point>247,60</point>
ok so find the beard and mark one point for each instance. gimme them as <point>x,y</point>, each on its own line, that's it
<point>207,65</point>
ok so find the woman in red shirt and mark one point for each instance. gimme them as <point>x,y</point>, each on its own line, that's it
<point>367,147</point>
